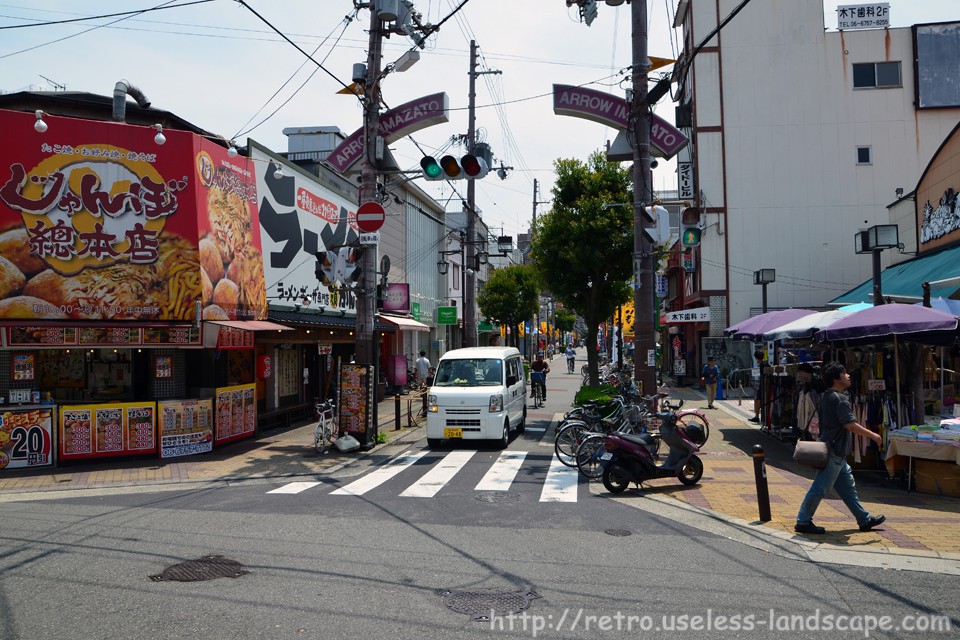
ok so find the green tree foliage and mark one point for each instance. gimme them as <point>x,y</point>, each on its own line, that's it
<point>564,319</point>
<point>581,249</point>
<point>510,296</point>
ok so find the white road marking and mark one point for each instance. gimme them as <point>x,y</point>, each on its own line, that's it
<point>294,487</point>
<point>501,474</point>
<point>439,475</point>
<point>379,476</point>
<point>561,483</point>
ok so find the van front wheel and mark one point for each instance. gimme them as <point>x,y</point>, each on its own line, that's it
<point>504,440</point>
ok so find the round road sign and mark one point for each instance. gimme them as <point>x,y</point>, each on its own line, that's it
<point>370,217</point>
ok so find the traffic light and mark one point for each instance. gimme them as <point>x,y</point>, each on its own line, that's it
<point>469,167</point>
<point>691,237</point>
<point>690,231</point>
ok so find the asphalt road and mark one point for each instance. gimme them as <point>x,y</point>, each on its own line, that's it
<point>420,554</point>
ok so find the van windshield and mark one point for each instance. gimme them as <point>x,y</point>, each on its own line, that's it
<point>474,372</point>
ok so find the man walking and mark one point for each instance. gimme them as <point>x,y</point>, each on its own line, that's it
<point>709,376</point>
<point>837,426</point>
<point>423,369</point>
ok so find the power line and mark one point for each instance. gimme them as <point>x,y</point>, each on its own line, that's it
<point>99,17</point>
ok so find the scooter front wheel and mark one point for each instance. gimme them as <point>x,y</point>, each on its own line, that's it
<point>615,478</point>
<point>692,471</point>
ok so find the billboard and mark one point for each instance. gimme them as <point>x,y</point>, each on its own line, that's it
<point>99,222</point>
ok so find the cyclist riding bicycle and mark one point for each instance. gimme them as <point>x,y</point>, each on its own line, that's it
<point>541,369</point>
<point>571,358</point>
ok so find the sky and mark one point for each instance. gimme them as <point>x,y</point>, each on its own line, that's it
<point>220,66</point>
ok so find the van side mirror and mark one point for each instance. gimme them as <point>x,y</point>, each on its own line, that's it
<point>511,380</point>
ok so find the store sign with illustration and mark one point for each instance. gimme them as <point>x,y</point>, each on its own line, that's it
<point>102,223</point>
<point>307,232</point>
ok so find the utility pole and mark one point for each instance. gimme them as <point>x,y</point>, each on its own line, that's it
<point>643,293</point>
<point>365,348</point>
<point>469,295</point>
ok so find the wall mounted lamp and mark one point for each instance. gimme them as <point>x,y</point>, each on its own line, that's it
<point>159,138</point>
<point>40,126</point>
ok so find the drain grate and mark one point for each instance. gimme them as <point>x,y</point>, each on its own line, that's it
<point>618,532</point>
<point>205,568</point>
<point>479,604</point>
<point>497,496</point>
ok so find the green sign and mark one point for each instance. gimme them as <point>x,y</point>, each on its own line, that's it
<point>446,315</point>
<point>415,310</point>
<point>484,325</point>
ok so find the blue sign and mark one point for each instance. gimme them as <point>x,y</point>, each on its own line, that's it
<point>661,285</point>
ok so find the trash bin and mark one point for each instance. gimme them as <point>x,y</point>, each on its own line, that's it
<point>720,395</point>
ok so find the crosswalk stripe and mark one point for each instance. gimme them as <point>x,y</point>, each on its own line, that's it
<point>294,487</point>
<point>433,480</point>
<point>500,476</point>
<point>381,475</point>
<point>561,483</point>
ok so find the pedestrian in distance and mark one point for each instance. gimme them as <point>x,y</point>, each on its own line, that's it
<point>837,426</point>
<point>423,369</point>
<point>542,369</point>
<point>757,400</point>
<point>709,376</point>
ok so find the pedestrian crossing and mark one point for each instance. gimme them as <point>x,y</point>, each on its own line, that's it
<point>559,484</point>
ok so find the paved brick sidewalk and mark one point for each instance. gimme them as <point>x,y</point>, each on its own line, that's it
<point>916,522</point>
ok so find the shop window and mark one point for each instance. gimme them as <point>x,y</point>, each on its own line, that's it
<point>876,75</point>
<point>864,155</point>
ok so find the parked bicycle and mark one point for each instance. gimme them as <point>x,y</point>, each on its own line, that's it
<point>325,434</point>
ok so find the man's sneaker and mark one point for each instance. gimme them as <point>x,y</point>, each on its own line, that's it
<point>755,420</point>
<point>872,522</point>
<point>809,528</point>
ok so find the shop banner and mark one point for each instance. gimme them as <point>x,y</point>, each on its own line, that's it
<point>299,218</point>
<point>236,413</point>
<point>356,400</point>
<point>102,223</point>
<point>186,427</point>
<point>26,437</point>
<point>105,430</point>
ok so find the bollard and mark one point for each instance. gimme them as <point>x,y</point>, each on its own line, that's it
<point>396,419</point>
<point>760,476</point>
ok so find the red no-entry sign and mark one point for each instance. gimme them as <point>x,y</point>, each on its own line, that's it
<point>370,217</point>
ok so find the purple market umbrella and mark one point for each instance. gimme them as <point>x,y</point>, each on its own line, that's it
<point>754,328</point>
<point>888,321</point>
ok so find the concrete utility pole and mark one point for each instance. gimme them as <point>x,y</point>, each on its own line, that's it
<point>470,293</point>
<point>365,345</point>
<point>646,376</point>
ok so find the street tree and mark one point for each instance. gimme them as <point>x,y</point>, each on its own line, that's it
<point>510,296</point>
<point>564,319</point>
<point>582,247</point>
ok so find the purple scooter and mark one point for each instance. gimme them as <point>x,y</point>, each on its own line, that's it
<point>629,459</point>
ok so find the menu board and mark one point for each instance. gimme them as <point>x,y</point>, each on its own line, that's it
<point>234,338</point>
<point>236,413</point>
<point>356,399</point>
<point>104,336</point>
<point>186,427</point>
<point>26,437</point>
<point>102,430</point>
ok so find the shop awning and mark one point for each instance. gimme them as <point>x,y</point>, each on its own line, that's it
<point>904,282</point>
<point>311,320</point>
<point>251,325</point>
<point>404,324</point>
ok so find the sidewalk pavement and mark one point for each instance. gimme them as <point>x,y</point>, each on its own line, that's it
<point>920,528</point>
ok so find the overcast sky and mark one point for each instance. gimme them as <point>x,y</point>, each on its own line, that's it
<point>223,68</point>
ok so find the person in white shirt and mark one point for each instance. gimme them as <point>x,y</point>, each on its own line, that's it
<point>422,367</point>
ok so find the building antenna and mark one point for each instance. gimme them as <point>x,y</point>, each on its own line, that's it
<point>56,85</point>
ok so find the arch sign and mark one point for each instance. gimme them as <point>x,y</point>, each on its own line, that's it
<point>612,111</point>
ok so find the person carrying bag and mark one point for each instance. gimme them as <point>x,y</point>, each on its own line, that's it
<point>837,426</point>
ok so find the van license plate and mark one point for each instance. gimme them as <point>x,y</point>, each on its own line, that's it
<point>453,433</point>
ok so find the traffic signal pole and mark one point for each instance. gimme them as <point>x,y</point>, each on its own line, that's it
<point>645,375</point>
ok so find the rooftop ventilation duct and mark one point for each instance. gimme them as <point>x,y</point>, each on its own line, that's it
<point>120,92</point>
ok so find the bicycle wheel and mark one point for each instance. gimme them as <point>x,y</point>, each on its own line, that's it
<point>589,460</point>
<point>321,441</point>
<point>567,441</point>
<point>696,426</point>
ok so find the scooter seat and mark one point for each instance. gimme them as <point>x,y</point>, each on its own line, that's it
<point>644,439</point>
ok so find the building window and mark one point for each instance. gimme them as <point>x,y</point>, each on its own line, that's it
<point>870,75</point>
<point>863,155</point>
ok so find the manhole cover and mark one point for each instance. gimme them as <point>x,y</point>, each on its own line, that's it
<point>480,604</point>
<point>618,532</point>
<point>205,568</point>
<point>497,496</point>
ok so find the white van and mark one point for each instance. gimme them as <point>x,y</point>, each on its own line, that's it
<point>477,394</point>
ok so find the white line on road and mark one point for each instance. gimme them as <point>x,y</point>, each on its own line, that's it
<point>294,487</point>
<point>501,474</point>
<point>439,475</point>
<point>561,483</point>
<point>381,475</point>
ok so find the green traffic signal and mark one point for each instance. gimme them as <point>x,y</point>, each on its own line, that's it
<point>431,168</point>
<point>690,237</point>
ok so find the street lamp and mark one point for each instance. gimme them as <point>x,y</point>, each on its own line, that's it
<point>764,277</point>
<point>874,240</point>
